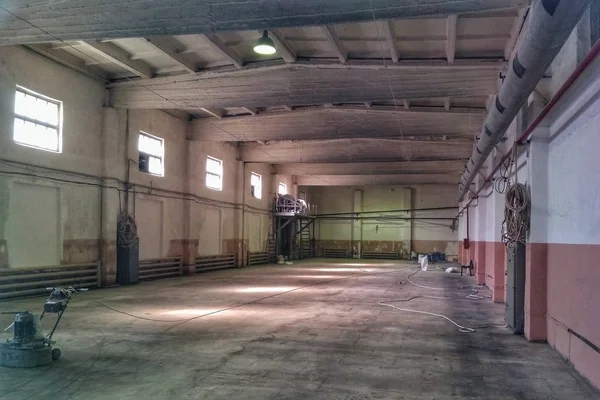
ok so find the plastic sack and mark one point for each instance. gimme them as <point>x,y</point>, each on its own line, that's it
<point>424,261</point>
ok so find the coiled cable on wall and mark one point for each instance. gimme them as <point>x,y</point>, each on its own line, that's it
<point>517,207</point>
<point>126,230</point>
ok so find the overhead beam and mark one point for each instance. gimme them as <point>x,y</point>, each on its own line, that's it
<point>335,43</point>
<point>451,38</point>
<point>168,47</point>
<point>176,17</point>
<point>215,112</point>
<point>372,168</point>
<point>390,37</point>
<point>282,48</point>
<point>222,48</point>
<point>353,150</point>
<point>251,110</point>
<point>362,180</point>
<point>117,55</point>
<point>342,122</point>
<point>69,60</point>
<point>298,85</point>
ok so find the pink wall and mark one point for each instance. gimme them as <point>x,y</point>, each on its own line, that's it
<point>573,275</point>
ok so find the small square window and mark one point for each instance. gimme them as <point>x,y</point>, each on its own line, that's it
<point>38,121</point>
<point>282,190</point>
<point>256,185</point>
<point>214,173</point>
<point>152,152</point>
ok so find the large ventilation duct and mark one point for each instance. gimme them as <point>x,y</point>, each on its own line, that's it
<point>551,23</point>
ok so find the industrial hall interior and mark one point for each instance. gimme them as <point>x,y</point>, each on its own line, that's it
<point>301,199</point>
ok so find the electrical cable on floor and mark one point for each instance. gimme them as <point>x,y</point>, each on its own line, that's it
<point>421,286</point>
<point>136,316</point>
<point>461,328</point>
<point>183,321</point>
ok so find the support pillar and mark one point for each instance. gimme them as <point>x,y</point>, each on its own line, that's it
<point>357,225</point>
<point>114,126</point>
<point>537,248</point>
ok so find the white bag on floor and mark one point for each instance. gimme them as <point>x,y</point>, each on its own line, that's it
<point>424,261</point>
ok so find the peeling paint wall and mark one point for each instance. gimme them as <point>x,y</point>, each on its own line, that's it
<point>67,211</point>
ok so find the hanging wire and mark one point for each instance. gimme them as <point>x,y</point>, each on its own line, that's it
<point>517,209</point>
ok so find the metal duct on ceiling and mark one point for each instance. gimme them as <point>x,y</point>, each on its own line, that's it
<point>551,23</point>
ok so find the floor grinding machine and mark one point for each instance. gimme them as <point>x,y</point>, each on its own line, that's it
<point>29,347</point>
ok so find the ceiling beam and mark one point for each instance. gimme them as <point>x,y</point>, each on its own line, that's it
<point>298,85</point>
<point>335,43</point>
<point>342,122</point>
<point>354,150</point>
<point>215,112</point>
<point>282,48</point>
<point>372,168</point>
<point>222,48</point>
<point>176,17</point>
<point>168,47</point>
<point>251,110</point>
<point>362,180</point>
<point>69,60</point>
<point>117,55</point>
<point>451,38</point>
<point>390,36</point>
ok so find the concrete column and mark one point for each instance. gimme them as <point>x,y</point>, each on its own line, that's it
<point>113,169</point>
<point>407,204</point>
<point>357,225</point>
<point>479,234</point>
<point>189,245</point>
<point>537,251</point>
<point>496,251</point>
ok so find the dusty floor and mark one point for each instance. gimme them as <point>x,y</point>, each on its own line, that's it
<point>311,330</point>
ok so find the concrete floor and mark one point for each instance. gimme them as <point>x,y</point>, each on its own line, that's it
<point>312,330</point>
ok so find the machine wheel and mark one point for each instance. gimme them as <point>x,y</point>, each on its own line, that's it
<point>56,354</point>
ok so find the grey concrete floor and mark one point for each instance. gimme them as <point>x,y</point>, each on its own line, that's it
<point>312,330</point>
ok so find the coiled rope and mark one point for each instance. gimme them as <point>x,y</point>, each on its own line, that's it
<point>517,210</point>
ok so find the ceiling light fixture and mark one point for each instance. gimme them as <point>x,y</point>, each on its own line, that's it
<point>264,45</point>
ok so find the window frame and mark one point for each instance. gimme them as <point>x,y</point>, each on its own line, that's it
<point>161,157</point>
<point>58,127</point>
<point>220,174</point>
<point>281,184</point>
<point>259,176</point>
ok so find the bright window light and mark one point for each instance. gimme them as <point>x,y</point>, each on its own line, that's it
<point>214,173</point>
<point>282,189</point>
<point>38,121</point>
<point>155,148</point>
<point>256,185</point>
